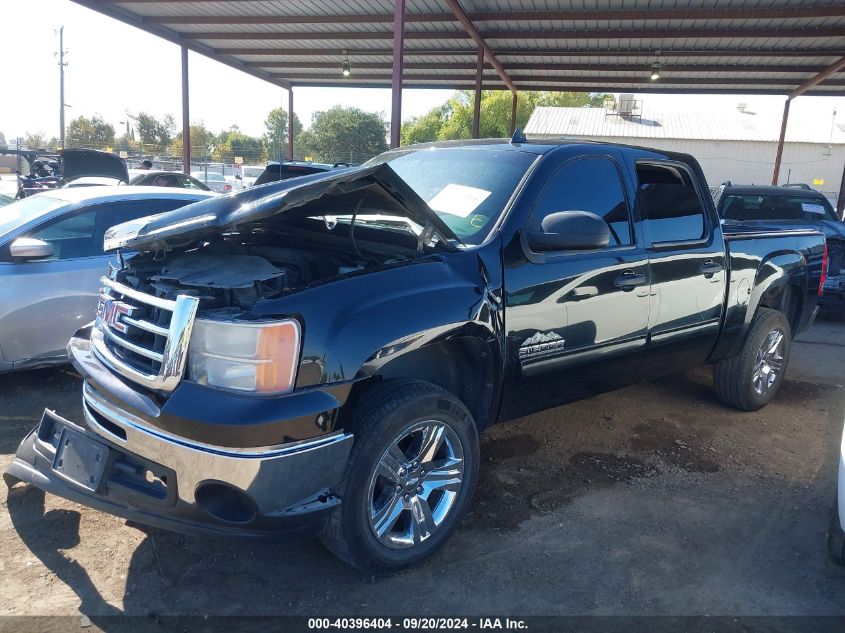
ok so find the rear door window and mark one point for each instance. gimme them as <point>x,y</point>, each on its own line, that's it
<point>672,209</point>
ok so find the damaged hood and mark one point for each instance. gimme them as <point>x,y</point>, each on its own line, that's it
<point>90,162</point>
<point>256,203</point>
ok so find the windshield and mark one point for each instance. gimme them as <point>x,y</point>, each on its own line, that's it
<point>776,207</point>
<point>24,211</point>
<point>467,187</point>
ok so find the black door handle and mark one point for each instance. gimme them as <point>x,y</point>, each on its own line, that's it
<point>629,280</point>
<point>710,268</point>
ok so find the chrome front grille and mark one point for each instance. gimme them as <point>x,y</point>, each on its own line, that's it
<point>143,337</point>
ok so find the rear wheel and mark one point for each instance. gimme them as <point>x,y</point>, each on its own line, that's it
<point>410,477</point>
<point>750,380</point>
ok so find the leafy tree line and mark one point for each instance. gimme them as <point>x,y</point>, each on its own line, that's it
<point>336,135</point>
<point>339,134</point>
<point>453,119</point>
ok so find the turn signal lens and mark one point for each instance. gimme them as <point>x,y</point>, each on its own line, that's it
<point>254,357</point>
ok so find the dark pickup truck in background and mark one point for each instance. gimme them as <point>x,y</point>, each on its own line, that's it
<point>319,356</point>
<point>793,207</point>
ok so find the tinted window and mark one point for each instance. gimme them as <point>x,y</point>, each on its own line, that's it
<point>588,184</point>
<point>274,173</point>
<point>467,188</point>
<point>71,236</point>
<point>671,207</point>
<point>81,234</point>
<point>775,207</point>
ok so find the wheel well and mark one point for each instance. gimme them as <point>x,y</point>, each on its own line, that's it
<point>464,367</point>
<point>787,299</point>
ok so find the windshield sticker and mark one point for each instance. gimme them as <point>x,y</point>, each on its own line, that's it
<point>458,200</point>
<point>812,208</point>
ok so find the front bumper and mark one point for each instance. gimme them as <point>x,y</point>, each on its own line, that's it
<point>119,462</point>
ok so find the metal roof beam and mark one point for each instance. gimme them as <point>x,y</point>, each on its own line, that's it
<point>569,34</point>
<point>458,10</point>
<point>775,13</point>
<point>672,68</point>
<point>603,83</point>
<point>822,76</point>
<point>543,52</point>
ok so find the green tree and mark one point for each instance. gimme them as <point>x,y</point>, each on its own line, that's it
<point>276,134</point>
<point>34,140</point>
<point>93,132</point>
<point>343,134</point>
<point>233,142</point>
<point>453,120</point>
<point>154,135</point>
<point>203,141</point>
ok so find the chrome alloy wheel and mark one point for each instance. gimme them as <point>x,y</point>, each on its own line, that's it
<point>415,484</point>
<point>769,362</point>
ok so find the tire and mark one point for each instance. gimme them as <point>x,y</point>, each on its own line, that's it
<point>400,415</point>
<point>736,381</point>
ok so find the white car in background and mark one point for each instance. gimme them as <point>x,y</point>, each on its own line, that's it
<point>249,173</point>
<point>215,181</point>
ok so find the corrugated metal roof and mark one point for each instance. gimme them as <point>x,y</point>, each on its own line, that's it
<point>739,46</point>
<point>726,125</point>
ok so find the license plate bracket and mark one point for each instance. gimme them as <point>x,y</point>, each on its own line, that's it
<point>80,459</point>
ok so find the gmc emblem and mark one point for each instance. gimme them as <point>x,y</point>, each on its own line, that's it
<point>110,312</point>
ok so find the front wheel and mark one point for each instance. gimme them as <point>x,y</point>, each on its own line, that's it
<point>750,380</point>
<point>410,477</point>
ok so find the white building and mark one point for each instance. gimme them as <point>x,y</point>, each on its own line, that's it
<point>735,145</point>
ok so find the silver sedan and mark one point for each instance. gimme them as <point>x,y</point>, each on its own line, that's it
<point>51,261</point>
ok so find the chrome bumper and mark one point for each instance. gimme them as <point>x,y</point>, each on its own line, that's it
<point>274,477</point>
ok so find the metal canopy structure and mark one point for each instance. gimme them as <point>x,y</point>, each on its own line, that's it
<point>721,46</point>
<point>786,47</point>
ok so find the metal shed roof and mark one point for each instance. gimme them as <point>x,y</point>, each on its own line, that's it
<point>716,46</point>
<point>653,124</point>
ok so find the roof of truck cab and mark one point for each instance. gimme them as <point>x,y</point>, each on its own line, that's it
<point>776,190</point>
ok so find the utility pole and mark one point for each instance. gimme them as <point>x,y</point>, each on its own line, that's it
<point>62,65</point>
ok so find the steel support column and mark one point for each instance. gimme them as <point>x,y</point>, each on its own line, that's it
<point>779,153</point>
<point>396,78</point>
<point>513,113</point>
<point>290,123</point>
<point>840,201</point>
<point>476,104</point>
<point>186,116</point>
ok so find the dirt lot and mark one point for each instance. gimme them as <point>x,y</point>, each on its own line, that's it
<point>651,500</point>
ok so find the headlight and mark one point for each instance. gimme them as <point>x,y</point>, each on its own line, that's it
<point>254,357</point>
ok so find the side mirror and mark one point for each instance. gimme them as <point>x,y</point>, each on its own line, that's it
<point>30,248</point>
<point>238,177</point>
<point>570,231</point>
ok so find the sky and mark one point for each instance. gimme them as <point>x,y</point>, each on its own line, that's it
<point>114,68</point>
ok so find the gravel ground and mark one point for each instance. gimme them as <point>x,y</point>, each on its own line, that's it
<point>652,500</point>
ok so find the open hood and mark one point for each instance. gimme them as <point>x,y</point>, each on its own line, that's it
<point>91,162</point>
<point>345,190</point>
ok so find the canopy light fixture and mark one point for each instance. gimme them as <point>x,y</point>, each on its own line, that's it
<point>655,71</point>
<point>346,69</point>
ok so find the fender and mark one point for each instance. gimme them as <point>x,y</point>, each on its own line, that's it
<point>421,319</point>
<point>774,274</point>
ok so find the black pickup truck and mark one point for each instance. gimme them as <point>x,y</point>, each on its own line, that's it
<point>319,356</point>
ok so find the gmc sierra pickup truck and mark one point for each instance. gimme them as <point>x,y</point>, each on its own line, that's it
<point>319,356</point>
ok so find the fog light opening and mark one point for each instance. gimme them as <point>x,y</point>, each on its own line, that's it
<point>225,503</point>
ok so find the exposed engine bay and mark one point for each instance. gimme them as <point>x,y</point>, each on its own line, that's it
<point>271,258</point>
